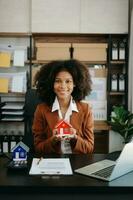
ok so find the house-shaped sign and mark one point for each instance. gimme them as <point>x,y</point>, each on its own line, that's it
<point>63,128</point>
<point>20,151</point>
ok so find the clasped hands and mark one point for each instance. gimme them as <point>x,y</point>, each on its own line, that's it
<point>58,137</point>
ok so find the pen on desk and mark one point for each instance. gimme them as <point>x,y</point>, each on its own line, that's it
<point>39,160</point>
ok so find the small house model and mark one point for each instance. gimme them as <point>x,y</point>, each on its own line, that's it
<point>20,151</point>
<point>63,128</point>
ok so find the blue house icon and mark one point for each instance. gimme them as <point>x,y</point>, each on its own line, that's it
<point>19,152</point>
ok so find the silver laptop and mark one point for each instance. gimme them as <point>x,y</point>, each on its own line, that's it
<point>109,170</point>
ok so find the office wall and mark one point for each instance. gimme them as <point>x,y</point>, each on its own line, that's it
<point>80,16</point>
<point>104,16</point>
<point>64,16</point>
<point>14,16</point>
<point>55,16</point>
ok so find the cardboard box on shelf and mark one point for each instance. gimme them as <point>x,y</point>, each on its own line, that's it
<point>90,51</point>
<point>53,51</point>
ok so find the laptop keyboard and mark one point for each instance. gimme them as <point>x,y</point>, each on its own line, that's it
<point>106,172</point>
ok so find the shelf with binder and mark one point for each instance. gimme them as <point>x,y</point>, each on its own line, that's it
<point>118,48</point>
<point>117,93</point>
<point>7,142</point>
<point>117,82</point>
<point>14,82</point>
<point>117,71</point>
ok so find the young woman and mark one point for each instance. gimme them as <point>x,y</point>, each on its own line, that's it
<point>62,85</point>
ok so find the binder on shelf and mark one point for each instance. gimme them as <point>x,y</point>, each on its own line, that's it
<point>122,50</point>
<point>13,142</point>
<point>114,50</point>
<point>121,82</point>
<point>114,82</point>
<point>17,81</point>
<point>5,143</point>
<point>4,82</point>
<point>5,58</point>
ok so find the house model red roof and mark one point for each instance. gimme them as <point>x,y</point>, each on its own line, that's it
<point>63,127</point>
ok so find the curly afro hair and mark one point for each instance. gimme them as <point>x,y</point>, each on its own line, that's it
<point>45,78</point>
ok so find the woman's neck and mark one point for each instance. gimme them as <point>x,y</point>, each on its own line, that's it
<point>64,104</point>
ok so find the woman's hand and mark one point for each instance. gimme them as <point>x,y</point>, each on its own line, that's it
<point>70,136</point>
<point>56,137</point>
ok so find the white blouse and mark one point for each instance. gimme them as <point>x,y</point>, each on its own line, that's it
<point>65,145</point>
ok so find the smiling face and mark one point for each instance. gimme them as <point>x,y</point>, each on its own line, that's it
<point>63,85</point>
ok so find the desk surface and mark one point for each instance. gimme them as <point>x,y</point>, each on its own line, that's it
<point>22,182</point>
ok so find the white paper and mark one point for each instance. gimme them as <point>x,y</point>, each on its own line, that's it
<point>12,119</point>
<point>5,147</point>
<point>18,59</point>
<point>17,84</point>
<point>14,106</point>
<point>51,166</point>
<point>13,112</point>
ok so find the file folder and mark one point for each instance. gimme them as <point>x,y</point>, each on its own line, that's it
<point>114,82</point>
<point>121,82</point>
<point>122,50</point>
<point>114,50</point>
<point>5,59</point>
<point>5,147</point>
<point>4,85</point>
<point>13,142</point>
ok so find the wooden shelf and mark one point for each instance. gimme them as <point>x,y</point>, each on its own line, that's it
<point>13,94</point>
<point>118,62</point>
<point>13,34</point>
<point>85,62</point>
<point>101,126</point>
<point>116,93</point>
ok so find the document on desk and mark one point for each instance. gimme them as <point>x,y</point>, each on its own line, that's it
<point>51,166</point>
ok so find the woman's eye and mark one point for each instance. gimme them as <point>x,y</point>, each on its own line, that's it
<point>57,81</point>
<point>68,81</point>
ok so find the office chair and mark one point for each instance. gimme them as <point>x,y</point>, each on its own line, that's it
<point>31,102</point>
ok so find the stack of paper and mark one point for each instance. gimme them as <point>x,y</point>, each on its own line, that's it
<point>51,166</point>
<point>12,111</point>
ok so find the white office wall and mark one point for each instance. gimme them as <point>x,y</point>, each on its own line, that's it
<point>60,16</point>
<point>64,16</point>
<point>14,16</point>
<point>104,16</point>
<point>80,16</point>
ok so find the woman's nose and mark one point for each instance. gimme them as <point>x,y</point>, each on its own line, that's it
<point>63,84</point>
